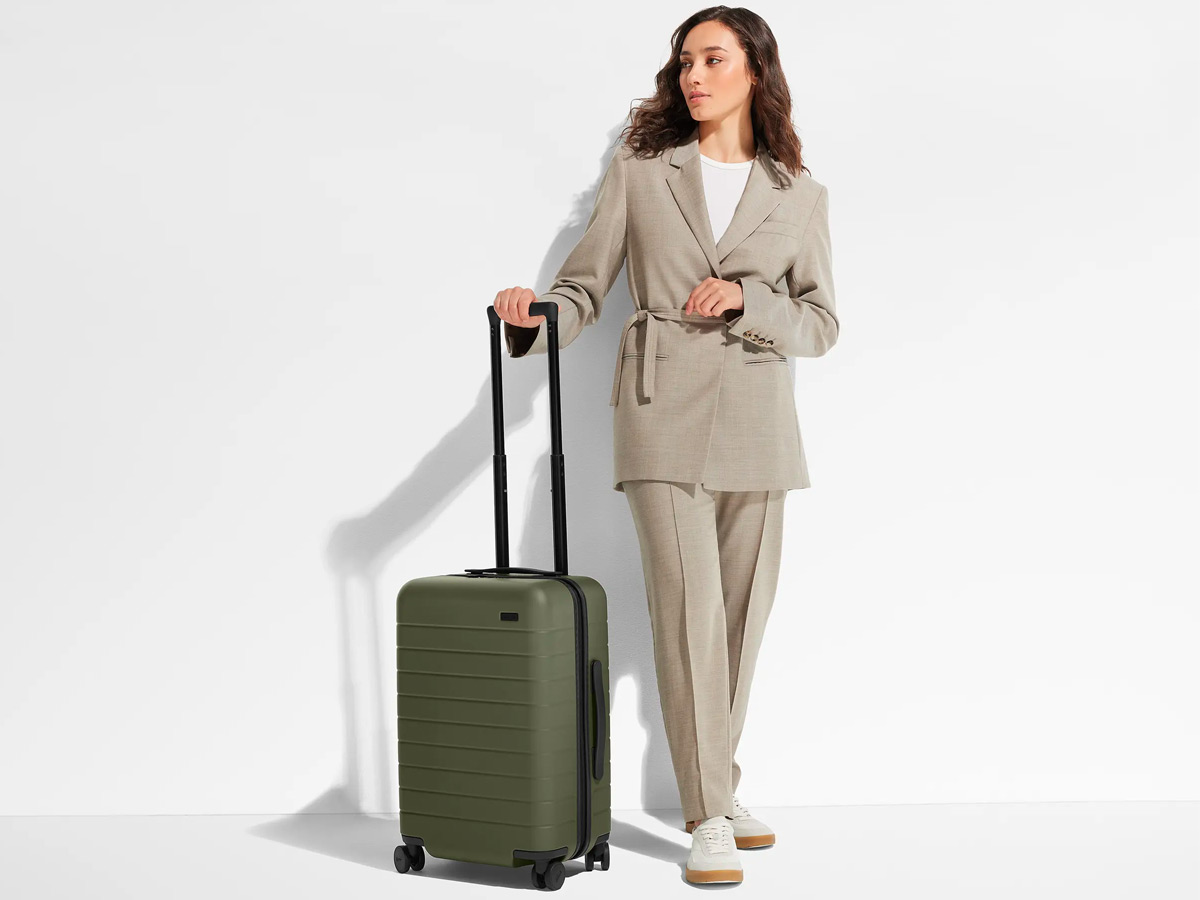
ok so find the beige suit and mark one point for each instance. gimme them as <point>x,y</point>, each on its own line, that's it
<point>702,399</point>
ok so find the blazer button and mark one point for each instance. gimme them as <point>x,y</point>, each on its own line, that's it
<point>745,334</point>
<point>761,341</point>
<point>770,342</point>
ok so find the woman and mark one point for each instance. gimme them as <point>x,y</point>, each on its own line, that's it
<point>706,441</point>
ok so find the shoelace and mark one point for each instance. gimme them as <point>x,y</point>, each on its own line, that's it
<point>717,838</point>
<point>739,811</point>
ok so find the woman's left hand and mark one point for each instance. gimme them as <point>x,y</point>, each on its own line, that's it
<point>712,297</point>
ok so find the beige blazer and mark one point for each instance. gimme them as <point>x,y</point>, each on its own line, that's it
<point>705,399</point>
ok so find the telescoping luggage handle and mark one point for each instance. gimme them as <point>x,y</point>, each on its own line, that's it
<point>558,497</point>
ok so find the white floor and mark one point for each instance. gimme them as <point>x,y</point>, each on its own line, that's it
<point>1057,851</point>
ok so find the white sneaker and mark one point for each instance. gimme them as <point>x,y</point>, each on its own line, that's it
<point>714,856</point>
<point>747,830</point>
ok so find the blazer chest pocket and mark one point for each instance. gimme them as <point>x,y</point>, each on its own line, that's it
<point>772,244</point>
<point>780,228</point>
<point>643,356</point>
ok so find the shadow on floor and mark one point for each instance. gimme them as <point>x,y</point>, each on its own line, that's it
<point>369,840</point>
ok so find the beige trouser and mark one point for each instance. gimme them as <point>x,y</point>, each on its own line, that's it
<point>711,561</point>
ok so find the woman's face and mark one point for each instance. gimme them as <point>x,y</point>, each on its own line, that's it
<point>714,64</point>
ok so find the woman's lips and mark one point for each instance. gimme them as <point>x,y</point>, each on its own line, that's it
<point>697,98</point>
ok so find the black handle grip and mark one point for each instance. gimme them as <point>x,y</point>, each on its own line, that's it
<point>540,308</point>
<point>601,720</point>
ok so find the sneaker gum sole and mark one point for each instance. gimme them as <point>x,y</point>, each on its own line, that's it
<point>754,840</point>
<point>706,876</point>
<point>748,841</point>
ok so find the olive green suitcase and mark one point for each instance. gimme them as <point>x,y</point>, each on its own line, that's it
<point>502,687</point>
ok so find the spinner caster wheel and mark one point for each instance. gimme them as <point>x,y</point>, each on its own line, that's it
<point>551,878</point>
<point>598,854</point>
<point>406,857</point>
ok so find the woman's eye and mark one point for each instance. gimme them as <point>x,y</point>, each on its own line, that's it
<point>717,58</point>
<point>684,65</point>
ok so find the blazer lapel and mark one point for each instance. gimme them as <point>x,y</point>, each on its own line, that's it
<point>759,199</point>
<point>687,184</point>
<point>686,181</point>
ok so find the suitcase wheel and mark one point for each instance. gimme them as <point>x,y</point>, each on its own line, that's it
<point>407,857</point>
<point>599,853</point>
<point>551,877</point>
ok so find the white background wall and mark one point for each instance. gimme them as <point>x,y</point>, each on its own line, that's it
<point>248,249</point>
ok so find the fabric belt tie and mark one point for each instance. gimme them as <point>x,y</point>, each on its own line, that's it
<point>652,317</point>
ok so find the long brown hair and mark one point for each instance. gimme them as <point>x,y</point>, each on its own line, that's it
<point>663,121</point>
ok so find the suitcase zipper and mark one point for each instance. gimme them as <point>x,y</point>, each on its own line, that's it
<point>582,742</point>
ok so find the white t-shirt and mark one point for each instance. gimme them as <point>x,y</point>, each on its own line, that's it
<point>723,187</point>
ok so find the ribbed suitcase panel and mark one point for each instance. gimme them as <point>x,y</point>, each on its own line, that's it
<point>486,716</point>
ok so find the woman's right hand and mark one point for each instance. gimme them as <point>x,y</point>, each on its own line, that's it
<point>512,306</point>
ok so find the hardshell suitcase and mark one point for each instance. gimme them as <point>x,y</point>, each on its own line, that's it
<point>503,735</point>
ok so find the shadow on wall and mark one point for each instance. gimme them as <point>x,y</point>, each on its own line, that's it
<point>601,540</point>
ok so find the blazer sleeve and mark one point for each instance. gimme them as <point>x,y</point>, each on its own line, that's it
<point>588,273</point>
<point>802,322</point>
